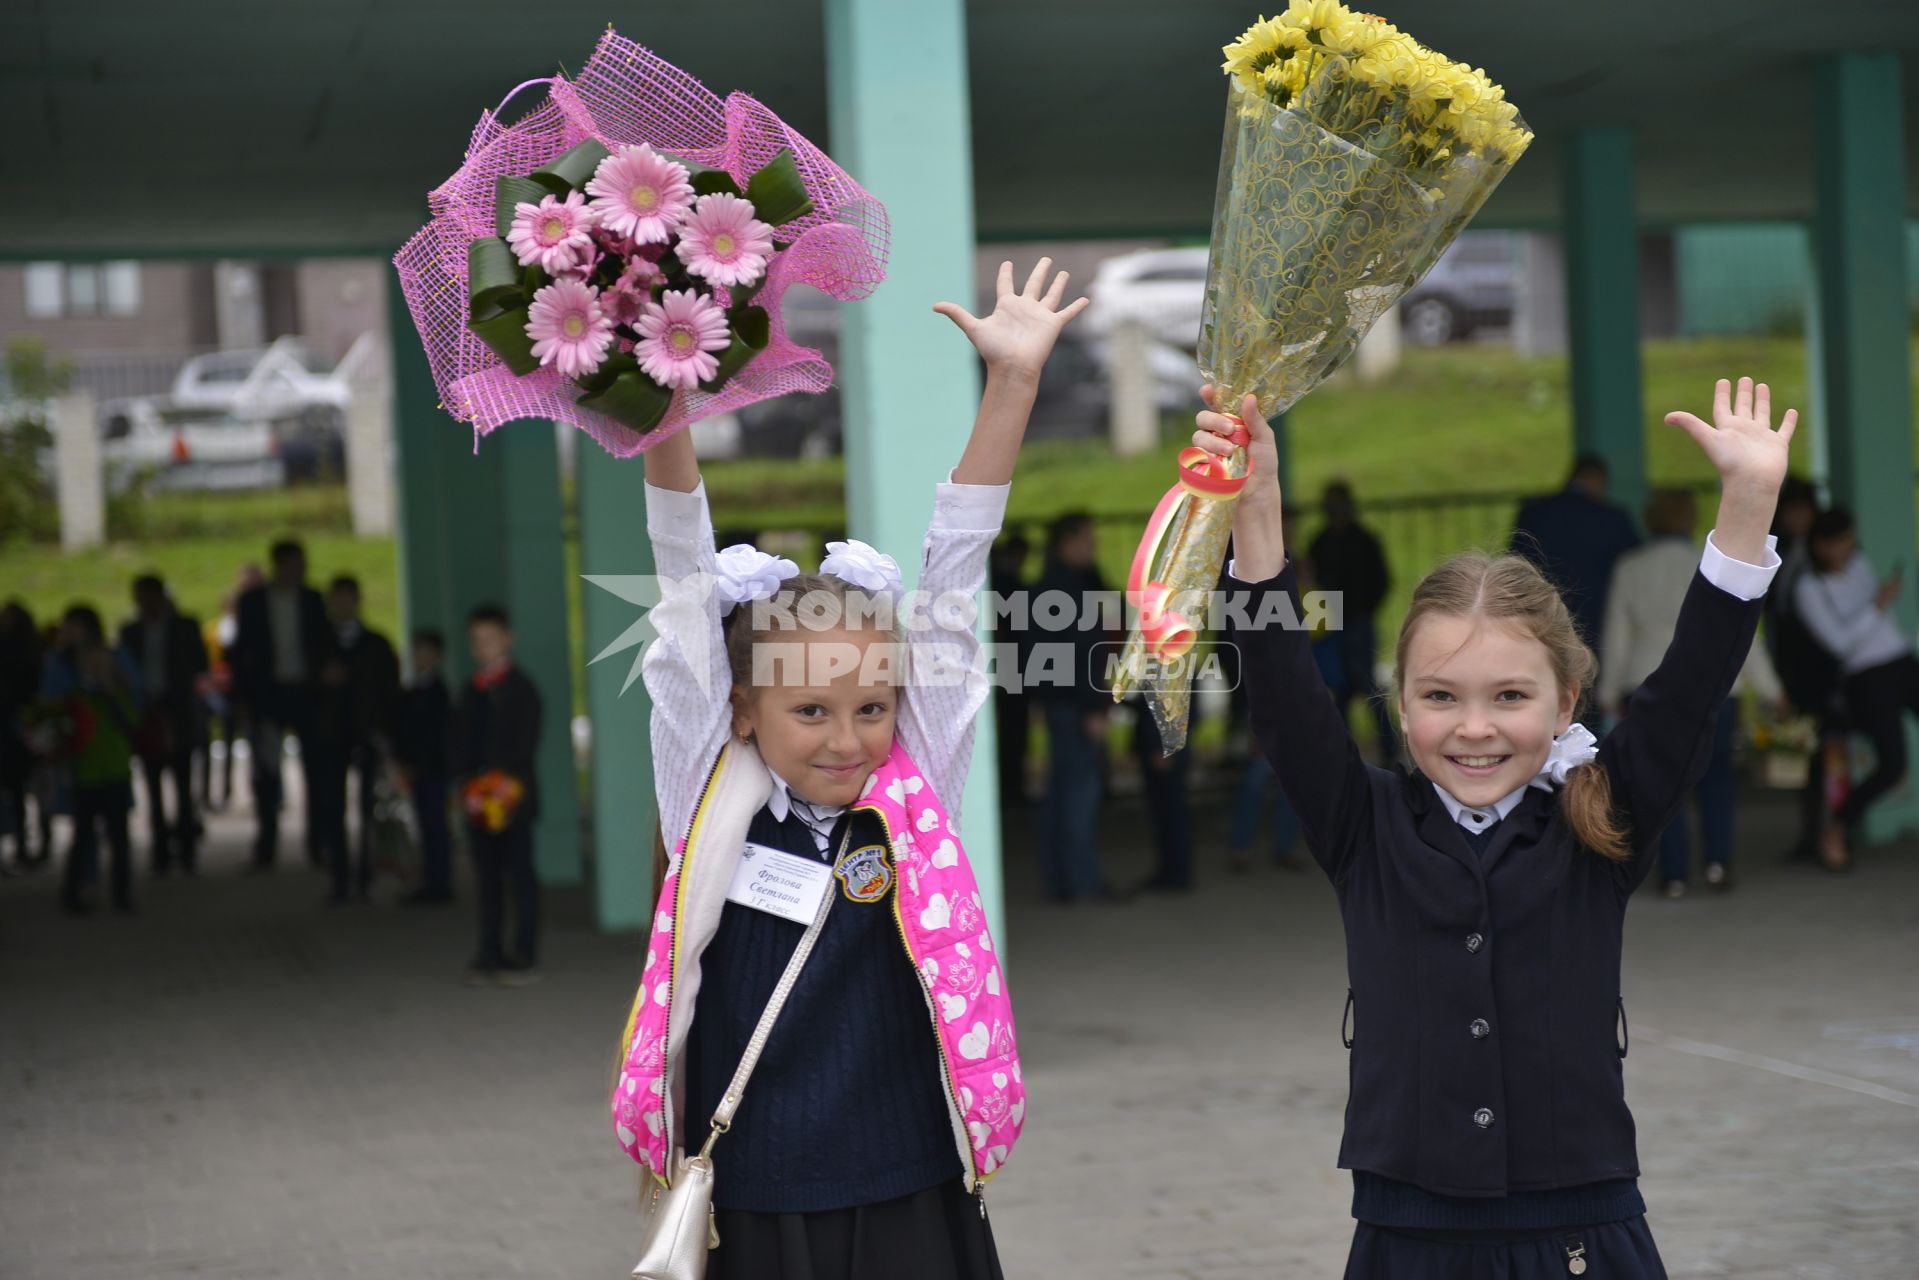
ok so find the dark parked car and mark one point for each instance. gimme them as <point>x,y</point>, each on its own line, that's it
<point>1471,287</point>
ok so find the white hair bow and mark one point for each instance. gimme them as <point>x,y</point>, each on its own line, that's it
<point>744,573</point>
<point>1571,749</point>
<point>857,564</point>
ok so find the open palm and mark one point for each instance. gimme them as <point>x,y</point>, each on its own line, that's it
<point>1020,332</point>
<point>1741,442</point>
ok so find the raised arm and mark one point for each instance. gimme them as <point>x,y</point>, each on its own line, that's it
<point>1015,341</point>
<point>1295,721</point>
<point>685,669</point>
<point>1662,746</point>
<point>939,714</point>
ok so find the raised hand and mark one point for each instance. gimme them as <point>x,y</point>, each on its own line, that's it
<point>1741,442</point>
<point>1018,335</point>
<point>1751,460</point>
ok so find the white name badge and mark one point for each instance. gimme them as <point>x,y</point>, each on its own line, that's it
<point>779,883</point>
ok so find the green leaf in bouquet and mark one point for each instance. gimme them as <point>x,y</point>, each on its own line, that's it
<point>674,270</point>
<point>710,182</point>
<point>571,171</point>
<point>509,192</point>
<point>612,367</point>
<point>503,330</point>
<point>496,303</point>
<point>740,296</point>
<point>633,399</point>
<point>777,193</point>
<point>752,328</point>
<point>492,276</point>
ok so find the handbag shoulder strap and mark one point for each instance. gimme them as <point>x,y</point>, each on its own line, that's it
<point>736,1090</point>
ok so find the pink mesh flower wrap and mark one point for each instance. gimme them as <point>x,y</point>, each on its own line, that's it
<point>627,95</point>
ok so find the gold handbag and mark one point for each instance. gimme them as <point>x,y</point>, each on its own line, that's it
<point>680,1226</point>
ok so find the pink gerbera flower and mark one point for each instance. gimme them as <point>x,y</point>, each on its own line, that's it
<point>724,243</point>
<point>678,335</point>
<point>552,233</point>
<point>640,194</point>
<point>568,328</point>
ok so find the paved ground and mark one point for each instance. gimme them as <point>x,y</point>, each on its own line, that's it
<point>242,1083</point>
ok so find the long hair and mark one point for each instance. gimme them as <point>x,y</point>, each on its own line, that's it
<point>1509,589</point>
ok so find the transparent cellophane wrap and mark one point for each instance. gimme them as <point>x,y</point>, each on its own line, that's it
<point>1314,238</point>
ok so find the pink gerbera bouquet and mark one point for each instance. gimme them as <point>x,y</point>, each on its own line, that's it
<point>615,259</point>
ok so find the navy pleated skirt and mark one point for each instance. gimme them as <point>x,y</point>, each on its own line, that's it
<point>1613,1251</point>
<point>936,1234</point>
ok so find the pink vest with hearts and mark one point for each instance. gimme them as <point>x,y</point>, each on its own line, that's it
<point>943,927</point>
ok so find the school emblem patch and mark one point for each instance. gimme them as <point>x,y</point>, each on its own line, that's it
<point>865,874</point>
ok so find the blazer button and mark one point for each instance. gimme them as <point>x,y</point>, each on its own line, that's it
<point>1480,1029</point>
<point>1483,1118</point>
<point>1473,943</point>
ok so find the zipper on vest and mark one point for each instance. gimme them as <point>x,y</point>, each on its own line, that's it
<point>932,1016</point>
<point>673,962</point>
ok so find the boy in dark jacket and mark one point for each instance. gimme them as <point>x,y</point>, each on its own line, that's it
<point>420,747</point>
<point>496,735</point>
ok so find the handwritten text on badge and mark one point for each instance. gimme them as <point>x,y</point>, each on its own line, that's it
<point>779,883</point>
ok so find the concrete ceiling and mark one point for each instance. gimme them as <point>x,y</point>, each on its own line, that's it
<point>310,126</point>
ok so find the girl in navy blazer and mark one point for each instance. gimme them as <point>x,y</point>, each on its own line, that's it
<point>1484,893</point>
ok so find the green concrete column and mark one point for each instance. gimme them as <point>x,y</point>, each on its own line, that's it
<point>535,598</point>
<point>451,537</point>
<point>1859,249</point>
<point>613,542</point>
<point>909,381</point>
<point>420,526</point>
<point>1602,307</point>
<point>480,527</point>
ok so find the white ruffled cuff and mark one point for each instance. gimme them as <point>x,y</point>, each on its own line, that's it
<point>672,513</point>
<point>970,508</point>
<point>1736,577</point>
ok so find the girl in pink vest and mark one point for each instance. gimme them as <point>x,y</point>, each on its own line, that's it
<point>811,735</point>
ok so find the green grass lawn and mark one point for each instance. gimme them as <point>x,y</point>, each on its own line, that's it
<point>1464,419</point>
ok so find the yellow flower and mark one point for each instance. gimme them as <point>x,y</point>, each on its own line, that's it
<point>1264,43</point>
<point>1314,15</point>
<point>1283,80</point>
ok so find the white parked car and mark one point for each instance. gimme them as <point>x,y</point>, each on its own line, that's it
<point>1471,287</point>
<point>237,419</point>
<point>187,448</point>
<point>282,379</point>
<point>1163,288</point>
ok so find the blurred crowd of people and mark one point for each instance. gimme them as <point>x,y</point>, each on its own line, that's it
<point>164,702</point>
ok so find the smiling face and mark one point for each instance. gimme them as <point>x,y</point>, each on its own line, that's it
<point>821,709</point>
<point>1480,705</point>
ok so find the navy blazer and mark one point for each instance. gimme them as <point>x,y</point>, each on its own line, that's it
<point>1486,990</point>
<point>252,655</point>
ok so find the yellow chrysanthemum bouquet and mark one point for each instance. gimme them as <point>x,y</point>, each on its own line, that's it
<point>1353,156</point>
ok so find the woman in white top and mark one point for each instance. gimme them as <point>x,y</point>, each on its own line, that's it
<point>1848,610</point>
<point>1642,609</point>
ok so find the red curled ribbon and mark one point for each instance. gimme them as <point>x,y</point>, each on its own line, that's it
<point>1202,474</point>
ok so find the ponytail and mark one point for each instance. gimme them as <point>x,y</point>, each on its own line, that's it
<point>1586,800</point>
